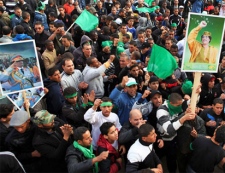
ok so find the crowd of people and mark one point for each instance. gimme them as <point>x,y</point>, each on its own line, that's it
<point>102,110</point>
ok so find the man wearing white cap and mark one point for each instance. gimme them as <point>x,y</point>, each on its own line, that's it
<point>19,141</point>
<point>124,96</point>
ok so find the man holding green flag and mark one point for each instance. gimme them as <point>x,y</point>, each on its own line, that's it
<point>80,156</point>
<point>87,21</point>
<point>161,63</point>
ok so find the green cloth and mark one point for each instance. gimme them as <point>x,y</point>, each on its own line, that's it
<point>173,25</point>
<point>106,43</point>
<point>106,104</point>
<point>119,50</point>
<point>187,87</point>
<point>87,21</point>
<point>71,95</point>
<point>120,44</point>
<point>147,9</point>
<point>149,2</point>
<point>174,109</point>
<point>88,153</point>
<point>161,62</point>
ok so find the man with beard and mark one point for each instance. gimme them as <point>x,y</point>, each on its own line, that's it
<point>80,156</point>
<point>51,139</point>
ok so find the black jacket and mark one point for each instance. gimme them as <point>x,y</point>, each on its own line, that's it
<point>52,147</point>
<point>76,162</point>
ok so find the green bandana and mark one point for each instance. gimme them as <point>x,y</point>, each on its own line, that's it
<point>88,153</point>
<point>106,104</point>
<point>174,109</point>
<point>69,96</point>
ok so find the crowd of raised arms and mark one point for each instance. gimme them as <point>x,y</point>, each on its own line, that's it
<point>103,111</point>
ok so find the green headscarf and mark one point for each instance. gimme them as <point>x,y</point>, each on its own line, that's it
<point>187,87</point>
<point>174,109</point>
<point>88,153</point>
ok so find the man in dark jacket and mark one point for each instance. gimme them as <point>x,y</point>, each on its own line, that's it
<point>54,98</point>
<point>79,156</point>
<point>209,92</point>
<point>6,111</point>
<point>19,141</point>
<point>72,111</point>
<point>51,139</point>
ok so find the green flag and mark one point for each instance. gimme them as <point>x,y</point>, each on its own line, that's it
<point>147,9</point>
<point>161,62</point>
<point>87,21</point>
<point>149,2</point>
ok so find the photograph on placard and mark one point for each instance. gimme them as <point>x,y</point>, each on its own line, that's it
<point>33,95</point>
<point>203,43</point>
<point>19,67</point>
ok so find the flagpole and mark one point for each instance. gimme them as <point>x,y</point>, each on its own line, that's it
<point>194,95</point>
<point>68,29</point>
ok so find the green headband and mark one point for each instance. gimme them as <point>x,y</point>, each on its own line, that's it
<point>106,104</point>
<point>70,95</point>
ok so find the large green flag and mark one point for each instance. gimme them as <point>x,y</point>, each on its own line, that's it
<point>149,2</point>
<point>147,9</point>
<point>161,62</point>
<point>87,21</point>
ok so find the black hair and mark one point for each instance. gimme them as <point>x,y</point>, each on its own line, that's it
<point>78,133</point>
<point>69,90</point>
<point>133,66</point>
<point>67,37</point>
<point>39,23</point>
<point>2,9</point>
<point>51,23</point>
<point>127,36</point>
<point>52,70</point>
<point>53,14</point>
<point>145,129</point>
<point>19,29</point>
<point>60,6</point>
<point>5,110</point>
<point>65,59</point>
<point>174,46</point>
<point>89,60</point>
<point>105,127</point>
<point>68,55</point>
<point>134,43</point>
<point>25,15</point>
<point>115,35</point>
<point>174,98</point>
<point>137,56</point>
<point>217,101</point>
<point>47,42</point>
<point>114,25</point>
<point>6,30</point>
<point>106,99</point>
<point>58,24</point>
<point>106,30</point>
<point>220,134</point>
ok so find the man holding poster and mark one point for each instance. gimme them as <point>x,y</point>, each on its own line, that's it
<point>201,52</point>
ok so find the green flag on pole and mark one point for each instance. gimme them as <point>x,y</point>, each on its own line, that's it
<point>87,21</point>
<point>147,9</point>
<point>161,62</point>
<point>149,2</point>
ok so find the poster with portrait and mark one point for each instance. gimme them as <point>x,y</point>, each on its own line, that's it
<point>19,67</point>
<point>33,95</point>
<point>203,43</point>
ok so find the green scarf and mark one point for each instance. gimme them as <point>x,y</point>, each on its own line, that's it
<point>88,153</point>
<point>174,109</point>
